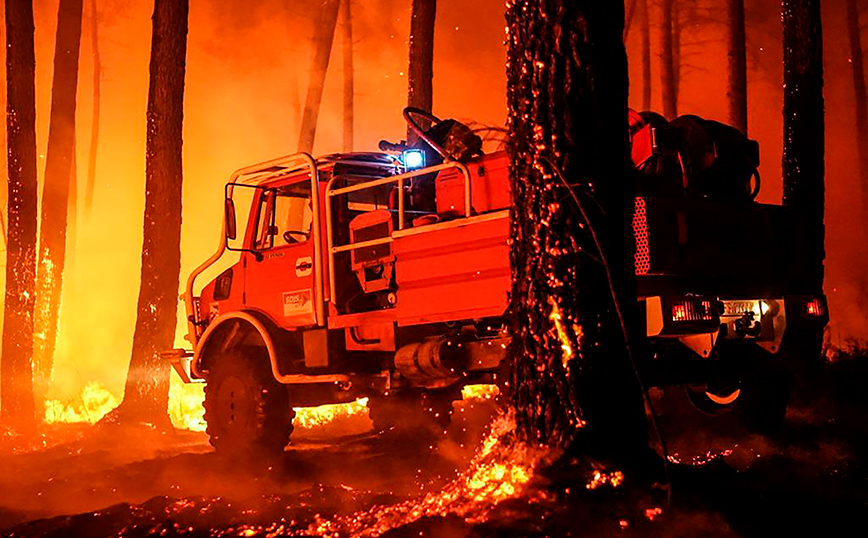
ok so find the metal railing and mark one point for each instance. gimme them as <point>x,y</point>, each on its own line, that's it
<point>331,192</point>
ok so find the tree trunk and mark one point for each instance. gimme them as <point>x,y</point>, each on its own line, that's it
<point>629,16</point>
<point>147,389</point>
<point>420,72</point>
<point>803,166</point>
<point>349,73</point>
<point>571,314</point>
<point>669,81</point>
<point>860,97</point>
<point>16,369</point>
<point>323,36</point>
<point>737,66</point>
<point>94,122</point>
<point>55,191</point>
<point>646,57</point>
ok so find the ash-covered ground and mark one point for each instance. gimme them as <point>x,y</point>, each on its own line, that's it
<point>807,479</point>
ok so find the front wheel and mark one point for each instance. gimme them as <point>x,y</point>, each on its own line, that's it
<point>247,411</point>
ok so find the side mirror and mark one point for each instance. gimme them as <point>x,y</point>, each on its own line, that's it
<point>229,210</point>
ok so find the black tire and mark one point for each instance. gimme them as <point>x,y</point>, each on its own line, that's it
<point>247,411</point>
<point>756,393</point>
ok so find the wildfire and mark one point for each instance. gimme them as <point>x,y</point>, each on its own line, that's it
<point>479,392</point>
<point>312,417</point>
<point>92,404</point>
<point>500,470</point>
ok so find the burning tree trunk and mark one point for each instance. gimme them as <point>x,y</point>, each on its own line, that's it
<point>147,389</point>
<point>573,299</point>
<point>349,73</point>
<point>94,122</point>
<point>323,36</point>
<point>646,57</point>
<point>16,373</point>
<point>737,66</point>
<point>668,61</point>
<point>861,116</point>
<point>803,166</point>
<point>420,71</point>
<point>55,191</point>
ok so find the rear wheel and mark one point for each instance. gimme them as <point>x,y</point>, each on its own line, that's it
<point>246,409</point>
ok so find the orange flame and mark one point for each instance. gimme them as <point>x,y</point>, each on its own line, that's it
<point>92,404</point>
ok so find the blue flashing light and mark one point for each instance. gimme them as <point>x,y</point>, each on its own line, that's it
<point>413,159</point>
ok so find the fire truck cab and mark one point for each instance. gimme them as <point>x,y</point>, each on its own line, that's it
<point>386,276</point>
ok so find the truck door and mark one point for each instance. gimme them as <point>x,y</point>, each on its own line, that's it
<point>279,275</point>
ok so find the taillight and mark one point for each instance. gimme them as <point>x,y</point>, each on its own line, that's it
<point>814,309</point>
<point>693,310</point>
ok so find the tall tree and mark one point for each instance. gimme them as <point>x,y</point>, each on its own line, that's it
<point>94,122</point>
<point>669,61</point>
<point>420,72</point>
<point>803,157</point>
<point>573,300</point>
<point>323,35</point>
<point>854,32</point>
<point>646,57</point>
<point>349,72</point>
<point>55,190</point>
<point>16,369</point>
<point>147,389</point>
<point>737,56</point>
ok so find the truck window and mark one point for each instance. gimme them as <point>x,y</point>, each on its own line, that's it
<point>285,216</point>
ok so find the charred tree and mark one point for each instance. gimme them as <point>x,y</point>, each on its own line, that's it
<point>861,99</point>
<point>646,57</point>
<point>323,36</point>
<point>803,158</point>
<point>668,55</point>
<point>420,71</point>
<point>629,15</point>
<point>55,190</point>
<point>94,122</point>
<point>16,369</point>
<point>349,72</point>
<point>737,56</point>
<point>147,389</point>
<point>573,301</point>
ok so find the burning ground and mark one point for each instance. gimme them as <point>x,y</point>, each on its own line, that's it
<point>338,478</point>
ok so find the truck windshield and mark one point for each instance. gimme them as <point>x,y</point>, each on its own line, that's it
<point>285,216</point>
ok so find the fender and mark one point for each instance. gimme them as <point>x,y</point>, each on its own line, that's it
<point>259,323</point>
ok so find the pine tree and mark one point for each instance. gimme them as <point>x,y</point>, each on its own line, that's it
<point>323,36</point>
<point>420,72</point>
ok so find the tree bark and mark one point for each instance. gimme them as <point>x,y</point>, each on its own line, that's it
<point>16,370</point>
<point>420,71</point>
<point>573,299</point>
<point>349,72</point>
<point>323,36</point>
<point>803,158</point>
<point>737,57</point>
<point>55,191</point>
<point>646,57</point>
<point>94,122</point>
<point>147,389</point>
<point>861,99</point>
<point>629,16</point>
<point>669,80</point>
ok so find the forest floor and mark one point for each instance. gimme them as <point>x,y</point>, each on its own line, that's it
<point>810,478</point>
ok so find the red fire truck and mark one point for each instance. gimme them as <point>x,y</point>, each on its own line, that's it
<point>385,275</point>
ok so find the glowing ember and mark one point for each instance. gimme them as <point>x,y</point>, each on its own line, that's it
<point>653,513</point>
<point>185,405</point>
<point>700,459</point>
<point>479,392</point>
<point>602,478</point>
<point>92,404</point>
<point>500,470</point>
<point>556,317</point>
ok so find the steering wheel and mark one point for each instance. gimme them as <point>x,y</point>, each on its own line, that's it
<point>409,116</point>
<point>288,236</point>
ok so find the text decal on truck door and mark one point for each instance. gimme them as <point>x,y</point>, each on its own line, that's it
<point>297,302</point>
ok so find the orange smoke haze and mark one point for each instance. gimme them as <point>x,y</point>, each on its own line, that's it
<point>247,67</point>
